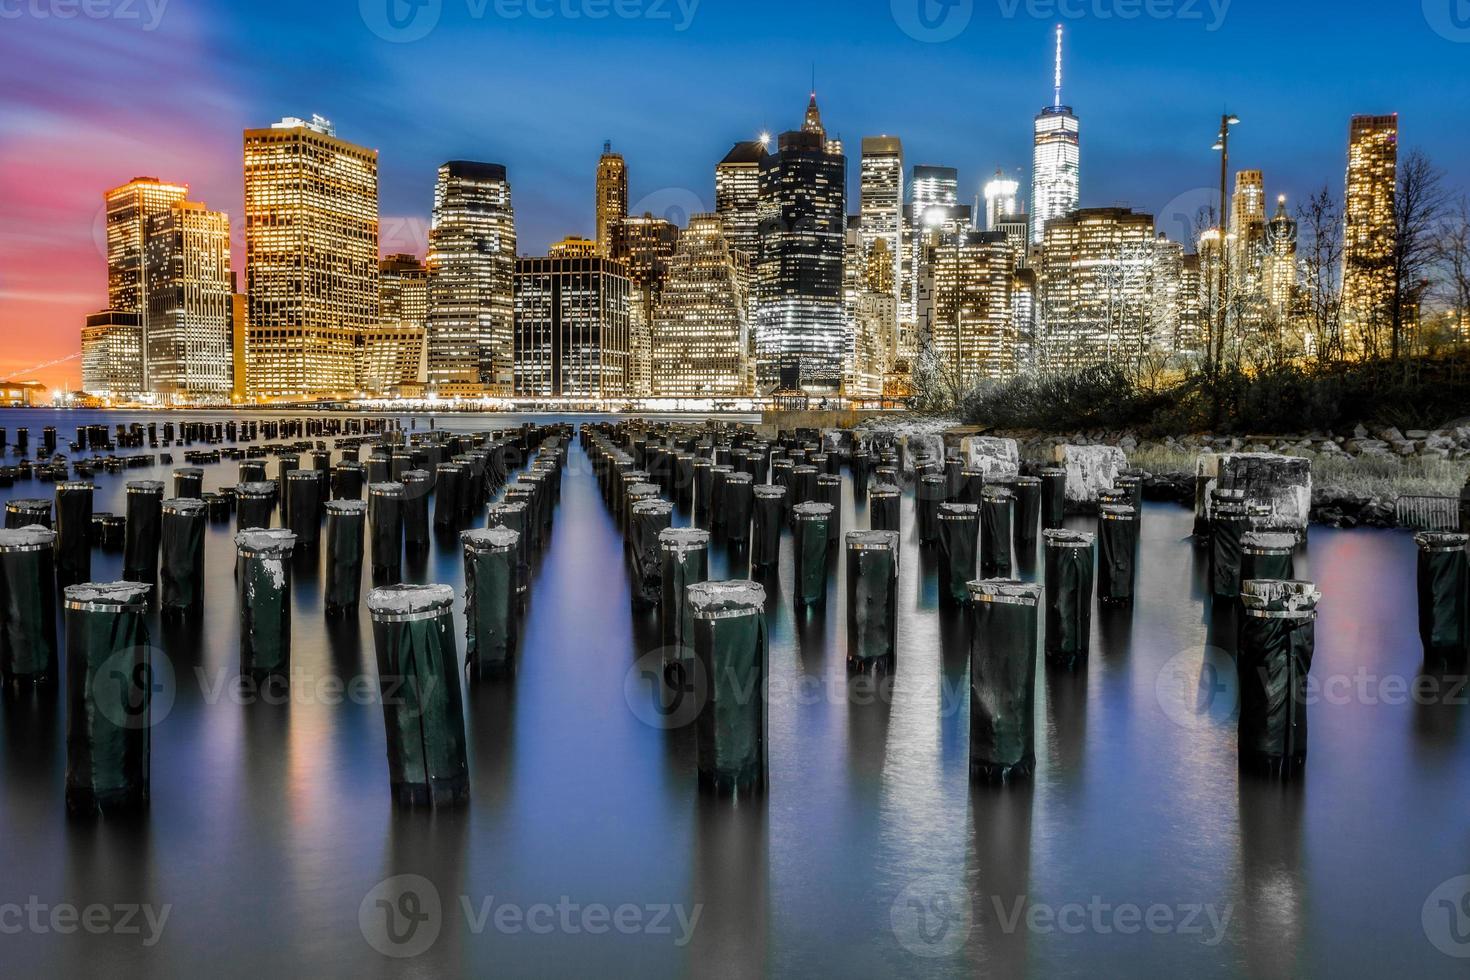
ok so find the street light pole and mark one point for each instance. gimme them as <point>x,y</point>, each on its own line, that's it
<point>1217,354</point>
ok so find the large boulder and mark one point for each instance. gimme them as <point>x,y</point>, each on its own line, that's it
<point>1000,459</point>
<point>912,437</point>
<point>1284,483</point>
<point>1090,469</point>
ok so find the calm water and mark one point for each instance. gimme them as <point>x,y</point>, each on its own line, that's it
<point>271,823</point>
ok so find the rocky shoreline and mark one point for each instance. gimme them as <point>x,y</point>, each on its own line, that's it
<point>1336,499</point>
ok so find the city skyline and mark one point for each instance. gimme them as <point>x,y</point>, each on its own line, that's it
<point>1146,154</point>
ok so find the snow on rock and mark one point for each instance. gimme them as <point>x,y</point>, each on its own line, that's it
<point>1090,469</point>
<point>1284,483</point>
<point>999,459</point>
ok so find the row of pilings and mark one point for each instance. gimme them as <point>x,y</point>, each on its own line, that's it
<point>495,493</point>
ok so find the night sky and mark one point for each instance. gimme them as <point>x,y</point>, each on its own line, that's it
<point>165,88</point>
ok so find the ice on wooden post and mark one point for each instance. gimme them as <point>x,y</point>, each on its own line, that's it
<point>730,647</point>
<point>872,601</point>
<point>418,675</point>
<point>1003,637</point>
<point>263,579</point>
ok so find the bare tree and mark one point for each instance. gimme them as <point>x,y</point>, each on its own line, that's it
<point>1419,206</point>
<point>1452,261</point>
<point>1319,258</point>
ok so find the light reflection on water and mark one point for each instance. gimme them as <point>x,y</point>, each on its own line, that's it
<point>270,823</point>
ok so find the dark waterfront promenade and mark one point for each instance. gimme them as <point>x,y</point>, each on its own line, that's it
<point>271,826</point>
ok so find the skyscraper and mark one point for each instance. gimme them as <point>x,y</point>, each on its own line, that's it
<point>187,334</point>
<point>881,204</point>
<point>311,257</point>
<point>700,337</point>
<point>471,261</point>
<point>1097,277</point>
<point>571,325</point>
<point>800,323</point>
<point>1368,241</point>
<point>971,333</point>
<point>1279,269</point>
<point>129,208</point>
<point>738,194</point>
<point>1055,184</point>
<point>612,196</point>
<point>395,350</point>
<point>644,245</point>
<point>934,187</point>
<point>112,355</point>
<point>1000,199</point>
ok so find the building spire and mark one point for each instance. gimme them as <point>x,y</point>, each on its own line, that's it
<point>1057,80</point>
<point>813,121</point>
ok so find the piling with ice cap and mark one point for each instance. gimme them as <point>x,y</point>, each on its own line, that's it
<point>110,685</point>
<point>74,532</point>
<point>1444,595</point>
<point>415,509</point>
<point>385,530</point>
<point>883,504</point>
<point>1027,491</point>
<point>1117,531</point>
<point>491,569</point>
<point>263,580</point>
<point>418,674</point>
<point>731,650</point>
<point>650,518</point>
<point>189,482</point>
<point>769,513</point>
<point>739,504</point>
<point>1229,522</point>
<point>685,556</point>
<point>872,601</point>
<point>304,506</point>
<point>27,512</point>
<point>28,606</point>
<point>1070,560</point>
<point>346,525</point>
<point>809,551</point>
<point>927,498</point>
<point>1276,647</point>
<point>1053,497</point>
<point>959,537</point>
<point>181,568</point>
<point>997,516</point>
<point>1267,555</point>
<point>254,503</point>
<point>1003,637</point>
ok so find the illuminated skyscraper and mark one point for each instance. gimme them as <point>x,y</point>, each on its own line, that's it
<point>311,257</point>
<point>800,323</point>
<point>112,355</point>
<point>1368,242</point>
<point>129,209</point>
<point>612,196</point>
<point>1279,268</point>
<point>1055,183</point>
<point>971,332</point>
<point>187,334</point>
<point>394,358</point>
<point>1001,195</point>
<point>882,203</point>
<point>700,336</point>
<point>1098,284</point>
<point>738,196</point>
<point>471,261</point>
<point>934,187</point>
<point>644,245</point>
<point>571,325</point>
